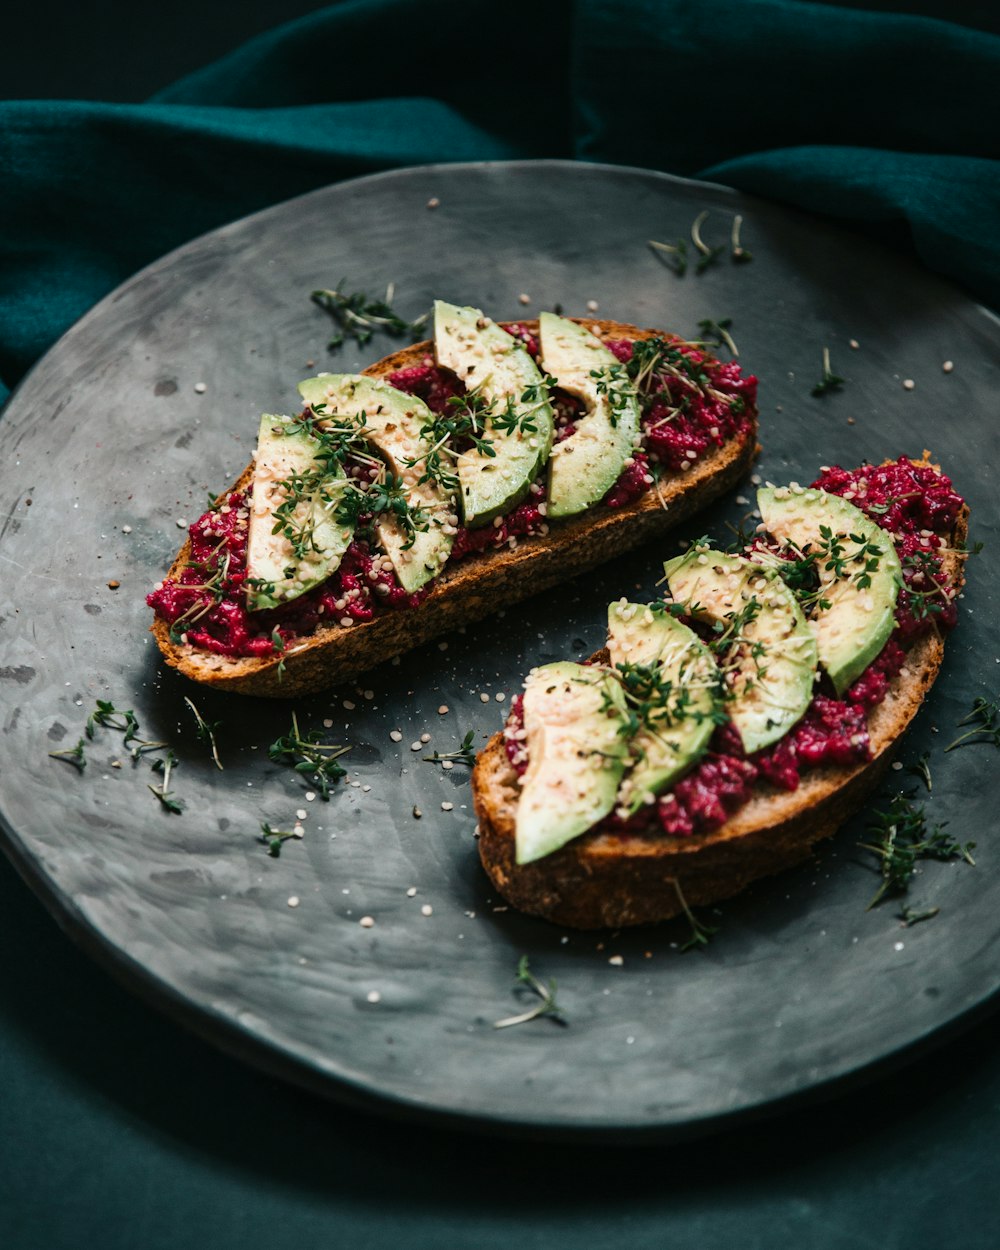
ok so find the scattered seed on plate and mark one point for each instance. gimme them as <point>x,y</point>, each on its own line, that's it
<point>427,910</point>
<point>327,723</point>
<point>293,901</point>
<point>396,735</point>
<point>415,746</point>
<point>616,961</point>
<point>434,202</point>
<point>417,813</point>
<point>200,388</point>
<point>181,523</point>
<point>126,529</point>
<point>499,696</point>
<point>443,710</point>
<point>425,738</point>
<point>349,706</point>
<point>411,892</point>
<point>374,996</point>
<point>948,366</point>
<point>854,344</point>
<point>447,807</point>
<point>442,646</point>
<point>592,305</point>
<point>301,814</point>
<point>908,384</point>
<point>484,698</point>
<point>367,922</point>
<point>524,299</point>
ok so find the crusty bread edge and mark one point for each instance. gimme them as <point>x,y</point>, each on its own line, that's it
<point>608,881</point>
<point>471,588</point>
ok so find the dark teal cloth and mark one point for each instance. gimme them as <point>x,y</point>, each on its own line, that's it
<point>885,120</point>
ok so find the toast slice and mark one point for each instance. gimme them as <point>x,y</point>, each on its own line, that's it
<point>607,879</point>
<point>470,588</point>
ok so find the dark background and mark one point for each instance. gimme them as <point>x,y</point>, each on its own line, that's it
<point>159,1141</point>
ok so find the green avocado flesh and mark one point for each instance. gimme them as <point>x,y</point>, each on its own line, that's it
<point>498,367</point>
<point>391,422</point>
<point>275,573</point>
<point>676,734</point>
<point>771,666</point>
<point>584,467</point>
<point>858,569</point>
<point>576,756</point>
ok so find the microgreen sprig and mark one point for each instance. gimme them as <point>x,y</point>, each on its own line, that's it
<point>72,755</point>
<point>309,755</point>
<point>707,255</point>
<point>985,721</point>
<point>165,765</point>
<point>673,254</point>
<point>701,933</point>
<point>464,755</point>
<point>548,1006</point>
<point>901,838</point>
<point>274,839</point>
<point>829,381</point>
<point>716,333</point>
<point>205,732</point>
<point>358,316</point>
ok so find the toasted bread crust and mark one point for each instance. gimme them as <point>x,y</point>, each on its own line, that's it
<point>473,587</point>
<point>604,880</point>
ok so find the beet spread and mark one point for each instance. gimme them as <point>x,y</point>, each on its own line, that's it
<point>205,605</point>
<point>919,507</point>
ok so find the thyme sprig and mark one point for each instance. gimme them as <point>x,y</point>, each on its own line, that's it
<point>205,732</point>
<point>72,755</point>
<point>165,765</point>
<point>829,381</point>
<point>310,756</point>
<point>985,721</point>
<point>358,316</point>
<point>548,1006</point>
<point>900,838</point>
<point>463,755</point>
<point>922,769</point>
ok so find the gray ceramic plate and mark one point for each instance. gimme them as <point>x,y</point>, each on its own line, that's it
<point>112,442</point>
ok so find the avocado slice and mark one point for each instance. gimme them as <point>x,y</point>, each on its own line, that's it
<point>584,467</point>
<point>576,756</point>
<point>772,664</point>
<point>500,368</point>
<point>286,451</point>
<point>859,574</point>
<point>391,423</point>
<point>657,658</point>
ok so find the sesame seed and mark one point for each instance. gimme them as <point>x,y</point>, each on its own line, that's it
<point>616,961</point>
<point>908,384</point>
<point>367,922</point>
<point>349,706</point>
<point>415,746</point>
<point>484,698</point>
<point>442,646</point>
<point>524,299</point>
<point>447,807</point>
<point>443,710</point>
<point>948,366</point>
<point>427,910</point>
<point>181,523</point>
<point>448,765</point>
<point>374,996</point>
<point>396,735</point>
<point>345,621</point>
<point>855,344</point>
<point>327,723</point>
<point>500,696</point>
<point>310,796</point>
<point>368,694</point>
<point>200,388</point>
<point>301,814</point>
<point>425,738</point>
<point>293,901</point>
<point>592,305</point>
<point>434,202</point>
<point>126,529</point>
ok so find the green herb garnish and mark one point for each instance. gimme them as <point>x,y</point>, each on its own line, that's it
<point>737,251</point>
<point>72,755</point>
<point>464,755</point>
<point>706,255</point>
<point>206,732</point>
<point>716,334</point>
<point>985,721</point>
<point>674,254</point>
<point>309,755</point>
<point>165,764</point>
<point>901,838</point>
<point>274,839</point>
<point>829,381</point>
<point>922,769</point>
<point>547,993</point>
<point>911,916</point>
<point>358,316</point>
<point>701,933</point>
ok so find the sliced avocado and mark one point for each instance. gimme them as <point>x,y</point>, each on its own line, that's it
<point>771,667</point>
<point>499,367</point>
<point>584,467</point>
<point>286,454</point>
<point>659,659</point>
<point>576,756</point>
<point>858,569</point>
<point>391,421</point>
